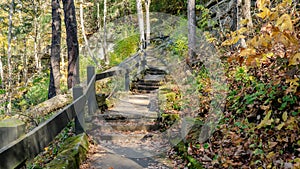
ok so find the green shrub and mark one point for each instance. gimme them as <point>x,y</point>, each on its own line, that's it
<point>123,49</point>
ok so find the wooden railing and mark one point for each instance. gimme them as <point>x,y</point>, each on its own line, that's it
<point>28,146</point>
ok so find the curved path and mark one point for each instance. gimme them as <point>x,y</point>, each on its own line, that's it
<point>127,136</point>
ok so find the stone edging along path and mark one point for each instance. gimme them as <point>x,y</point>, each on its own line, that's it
<point>71,154</point>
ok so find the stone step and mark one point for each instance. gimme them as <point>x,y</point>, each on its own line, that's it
<point>121,137</point>
<point>153,78</point>
<point>144,87</point>
<point>155,72</point>
<point>111,128</point>
<point>146,83</point>
<point>125,116</point>
<point>142,91</point>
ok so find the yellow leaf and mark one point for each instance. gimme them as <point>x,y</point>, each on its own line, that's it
<point>285,23</point>
<point>285,3</point>
<point>279,127</point>
<point>244,21</point>
<point>293,85</point>
<point>265,41</point>
<point>273,16</point>
<point>242,30</point>
<point>235,39</point>
<point>266,121</point>
<point>270,155</point>
<point>253,42</point>
<point>247,52</point>
<point>294,60</point>
<point>289,2</point>
<point>284,116</point>
<point>261,4</point>
<point>293,82</point>
<point>226,43</point>
<point>265,13</point>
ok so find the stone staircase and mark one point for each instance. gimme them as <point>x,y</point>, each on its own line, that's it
<point>129,132</point>
<point>152,79</point>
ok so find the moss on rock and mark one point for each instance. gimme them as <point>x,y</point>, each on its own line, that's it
<point>72,153</point>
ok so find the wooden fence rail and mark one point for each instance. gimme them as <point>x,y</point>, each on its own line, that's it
<point>28,146</point>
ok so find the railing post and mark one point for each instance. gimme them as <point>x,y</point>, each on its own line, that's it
<point>92,104</point>
<point>127,80</point>
<point>143,61</point>
<point>79,119</point>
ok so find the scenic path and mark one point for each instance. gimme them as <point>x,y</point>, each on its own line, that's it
<point>127,136</point>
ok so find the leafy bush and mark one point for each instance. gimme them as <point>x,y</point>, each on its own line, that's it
<point>180,47</point>
<point>37,92</point>
<point>123,49</point>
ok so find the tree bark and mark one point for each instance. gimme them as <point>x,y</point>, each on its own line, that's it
<point>1,68</point>
<point>234,25</point>
<point>72,42</point>
<point>83,33</point>
<point>9,56</point>
<point>141,23</point>
<point>191,31</point>
<point>246,9</point>
<point>54,86</point>
<point>36,34</point>
<point>148,28</point>
<point>25,78</point>
<point>106,59</point>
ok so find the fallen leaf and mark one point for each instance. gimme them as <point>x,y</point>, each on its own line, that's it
<point>284,116</point>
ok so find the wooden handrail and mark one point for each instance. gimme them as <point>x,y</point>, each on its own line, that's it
<point>28,146</point>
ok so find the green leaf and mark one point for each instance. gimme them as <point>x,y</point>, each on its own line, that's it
<point>295,113</point>
<point>206,146</point>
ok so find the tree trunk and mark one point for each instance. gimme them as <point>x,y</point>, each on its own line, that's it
<point>54,86</point>
<point>9,56</point>
<point>72,42</point>
<point>191,31</point>
<point>1,68</point>
<point>106,59</point>
<point>246,9</point>
<point>83,34</point>
<point>36,33</point>
<point>237,11</point>
<point>141,23</point>
<point>148,29</point>
<point>98,15</point>
<point>234,25</point>
<point>25,78</point>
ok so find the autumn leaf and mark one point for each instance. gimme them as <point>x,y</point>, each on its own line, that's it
<point>272,144</point>
<point>284,116</point>
<point>244,21</point>
<point>285,3</point>
<point>265,13</point>
<point>248,51</point>
<point>279,127</point>
<point>262,3</point>
<point>294,60</point>
<point>242,30</point>
<point>273,16</point>
<point>271,155</point>
<point>266,121</point>
<point>285,23</point>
